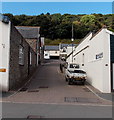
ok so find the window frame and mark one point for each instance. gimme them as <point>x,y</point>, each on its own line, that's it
<point>21,55</point>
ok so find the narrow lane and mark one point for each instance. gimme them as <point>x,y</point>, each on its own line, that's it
<point>49,96</point>
<point>48,85</point>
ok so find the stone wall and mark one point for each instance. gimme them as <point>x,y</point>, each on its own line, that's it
<point>18,74</point>
<point>32,43</point>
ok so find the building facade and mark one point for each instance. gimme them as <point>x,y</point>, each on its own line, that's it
<point>52,51</point>
<point>95,55</point>
<point>32,37</point>
<point>17,58</point>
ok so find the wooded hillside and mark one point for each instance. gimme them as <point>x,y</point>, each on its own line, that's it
<point>57,26</point>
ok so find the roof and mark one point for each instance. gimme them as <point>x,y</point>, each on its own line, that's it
<point>48,47</point>
<point>29,32</point>
<point>108,31</point>
<point>1,17</point>
<point>4,19</point>
<point>66,45</point>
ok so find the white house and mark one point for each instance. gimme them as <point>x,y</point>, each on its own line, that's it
<point>65,49</point>
<point>4,52</point>
<point>52,52</point>
<point>95,55</point>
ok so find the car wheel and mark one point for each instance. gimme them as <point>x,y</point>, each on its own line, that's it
<point>69,82</point>
<point>66,79</point>
<point>83,83</point>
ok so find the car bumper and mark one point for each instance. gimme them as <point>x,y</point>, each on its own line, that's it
<point>78,79</point>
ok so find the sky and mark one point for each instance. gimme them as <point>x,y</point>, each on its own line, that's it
<point>36,8</point>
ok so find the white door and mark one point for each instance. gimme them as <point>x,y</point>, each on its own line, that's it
<point>113,75</point>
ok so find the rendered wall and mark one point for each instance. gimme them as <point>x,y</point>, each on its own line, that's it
<point>4,55</point>
<point>98,69</point>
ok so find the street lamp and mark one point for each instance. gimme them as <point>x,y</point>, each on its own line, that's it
<point>72,39</point>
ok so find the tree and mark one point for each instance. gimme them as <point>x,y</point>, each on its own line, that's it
<point>55,26</point>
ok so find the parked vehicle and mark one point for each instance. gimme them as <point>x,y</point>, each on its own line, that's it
<point>46,56</point>
<point>72,66</point>
<point>75,75</point>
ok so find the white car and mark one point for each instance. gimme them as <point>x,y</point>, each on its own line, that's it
<point>46,55</point>
<point>75,75</point>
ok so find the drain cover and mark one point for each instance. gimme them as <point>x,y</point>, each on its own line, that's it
<point>43,86</point>
<point>23,89</point>
<point>88,100</point>
<point>70,99</point>
<point>34,116</point>
<point>33,90</point>
<point>81,100</point>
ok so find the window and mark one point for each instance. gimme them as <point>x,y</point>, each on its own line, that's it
<point>74,66</point>
<point>21,55</point>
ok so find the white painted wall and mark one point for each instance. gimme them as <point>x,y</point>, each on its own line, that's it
<point>113,76</point>
<point>54,53</point>
<point>4,55</point>
<point>98,70</point>
<point>68,51</point>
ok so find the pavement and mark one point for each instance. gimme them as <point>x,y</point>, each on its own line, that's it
<point>24,110</point>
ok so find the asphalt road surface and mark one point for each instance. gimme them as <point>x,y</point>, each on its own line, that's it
<point>48,95</point>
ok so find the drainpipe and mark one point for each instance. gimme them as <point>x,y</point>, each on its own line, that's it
<point>37,49</point>
<point>72,39</point>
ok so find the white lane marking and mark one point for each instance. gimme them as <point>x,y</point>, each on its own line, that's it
<point>96,94</point>
<point>56,103</point>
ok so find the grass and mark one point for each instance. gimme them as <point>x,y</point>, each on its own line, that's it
<point>58,41</point>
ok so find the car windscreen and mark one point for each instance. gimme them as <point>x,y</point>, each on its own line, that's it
<point>74,66</point>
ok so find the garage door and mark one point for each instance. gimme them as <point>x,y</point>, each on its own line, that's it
<point>113,75</point>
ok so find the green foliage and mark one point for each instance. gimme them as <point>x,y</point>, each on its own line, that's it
<point>58,41</point>
<point>88,20</point>
<point>57,26</point>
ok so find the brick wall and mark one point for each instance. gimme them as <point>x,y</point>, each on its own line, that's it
<point>18,74</point>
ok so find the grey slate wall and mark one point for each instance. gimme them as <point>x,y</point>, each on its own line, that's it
<point>18,73</point>
<point>112,47</point>
<point>32,43</point>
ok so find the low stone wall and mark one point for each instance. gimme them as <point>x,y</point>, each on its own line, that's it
<point>18,74</point>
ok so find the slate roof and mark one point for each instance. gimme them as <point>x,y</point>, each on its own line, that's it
<point>65,45</point>
<point>28,32</point>
<point>1,17</point>
<point>47,47</point>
